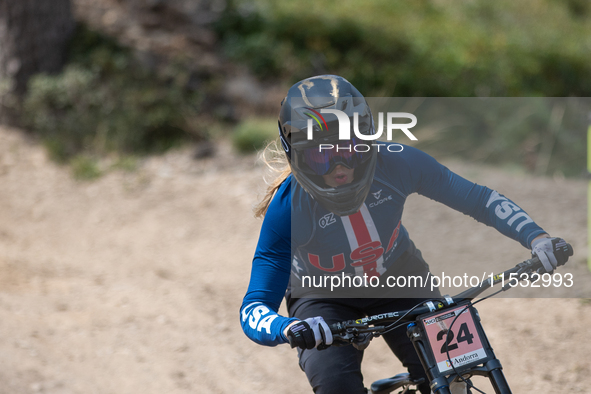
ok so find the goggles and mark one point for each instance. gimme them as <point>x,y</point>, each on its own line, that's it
<point>322,159</point>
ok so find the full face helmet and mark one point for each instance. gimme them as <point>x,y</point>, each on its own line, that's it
<point>310,138</point>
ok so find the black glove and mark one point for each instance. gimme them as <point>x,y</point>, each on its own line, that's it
<point>310,333</point>
<point>552,252</point>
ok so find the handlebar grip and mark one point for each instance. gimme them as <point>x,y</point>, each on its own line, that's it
<point>337,328</point>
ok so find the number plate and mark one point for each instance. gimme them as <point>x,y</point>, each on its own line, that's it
<point>463,342</point>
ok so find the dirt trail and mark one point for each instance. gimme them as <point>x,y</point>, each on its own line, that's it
<point>132,283</point>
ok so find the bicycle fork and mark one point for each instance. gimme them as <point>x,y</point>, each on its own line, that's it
<point>439,383</point>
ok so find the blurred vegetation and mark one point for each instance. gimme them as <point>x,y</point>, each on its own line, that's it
<point>85,167</point>
<point>544,135</point>
<point>253,134</point>
<point>434,48</point>
<point>106,101</point>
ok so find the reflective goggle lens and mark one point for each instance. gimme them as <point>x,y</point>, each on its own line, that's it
<point>322,159</point>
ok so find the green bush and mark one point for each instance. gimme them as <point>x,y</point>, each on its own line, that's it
<point>85,168</point>
<point>540,134</point>
<point>393,48</point>
<point>105,101</point>
<point>253,134</point>
<point>423,48</point>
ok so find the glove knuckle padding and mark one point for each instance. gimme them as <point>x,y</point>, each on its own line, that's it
<point>310,342</point>
<point>563,250</point>
<point>301,335</point>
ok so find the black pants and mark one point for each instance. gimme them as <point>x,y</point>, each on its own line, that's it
<point>338,369</point>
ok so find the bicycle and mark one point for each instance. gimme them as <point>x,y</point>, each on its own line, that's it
<point>427,324</point>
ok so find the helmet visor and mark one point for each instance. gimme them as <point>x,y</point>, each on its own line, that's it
<point>322,159</point>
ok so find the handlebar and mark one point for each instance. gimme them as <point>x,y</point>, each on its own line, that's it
<point>364,329</point>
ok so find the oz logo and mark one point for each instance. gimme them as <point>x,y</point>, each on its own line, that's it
<point>327,220</point>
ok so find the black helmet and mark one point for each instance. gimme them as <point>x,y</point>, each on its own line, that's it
<point>311,156</point>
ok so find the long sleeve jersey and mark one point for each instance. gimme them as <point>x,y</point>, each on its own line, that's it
<point>301,236</point>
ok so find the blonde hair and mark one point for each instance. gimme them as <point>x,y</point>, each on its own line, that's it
<point>274,158</point>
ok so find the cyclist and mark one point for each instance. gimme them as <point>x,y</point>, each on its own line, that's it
<point>337,211</point>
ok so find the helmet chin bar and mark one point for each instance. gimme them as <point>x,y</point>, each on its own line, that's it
<point>342,200</point>
<point>319,180</point>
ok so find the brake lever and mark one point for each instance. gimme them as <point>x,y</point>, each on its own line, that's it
<point>357,334</point>
<point>362,341</point>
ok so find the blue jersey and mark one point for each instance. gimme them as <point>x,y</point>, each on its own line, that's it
<point>301,236</point>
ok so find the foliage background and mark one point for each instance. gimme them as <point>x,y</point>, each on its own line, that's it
<point>107,99</point>
<point>437,49</point>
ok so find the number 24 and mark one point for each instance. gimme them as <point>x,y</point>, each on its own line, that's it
<point>464,335</point>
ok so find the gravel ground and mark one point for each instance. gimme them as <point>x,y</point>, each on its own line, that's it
<point>132,283</point>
